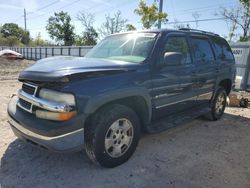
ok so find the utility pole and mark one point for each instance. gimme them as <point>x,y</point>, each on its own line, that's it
<point>160,11</point>
<point>25,26</point>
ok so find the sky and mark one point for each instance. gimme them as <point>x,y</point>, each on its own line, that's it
<point>38,12</point>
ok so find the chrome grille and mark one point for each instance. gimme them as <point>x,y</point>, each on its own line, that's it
<point>28,88</point>
<point>25,104</point>
<point>31,90</point>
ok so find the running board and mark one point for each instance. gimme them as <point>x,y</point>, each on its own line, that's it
<point>176,119</point>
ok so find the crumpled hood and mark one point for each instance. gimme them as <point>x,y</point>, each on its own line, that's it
<point>56,68</point>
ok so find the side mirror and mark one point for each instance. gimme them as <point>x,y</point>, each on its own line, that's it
<point>172,58</point>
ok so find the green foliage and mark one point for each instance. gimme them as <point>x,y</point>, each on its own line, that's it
<point>130,27</point>
<point>60,28</point>
<point>245,39</point>
<point>38,41</point>
<point>149,14</point>
<point>25,39</point>
<point>11,29</point>
<point>245,3</point>
<point>10,41</point>
<point>15,34</point>
<point>238,17</point>
<point>89,36</point>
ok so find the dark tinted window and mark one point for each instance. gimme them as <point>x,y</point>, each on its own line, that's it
<point>223,51</point>
<point>178,44</point>
<point>202,50</point>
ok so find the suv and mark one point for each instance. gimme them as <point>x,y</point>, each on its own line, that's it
<point>130,82</point>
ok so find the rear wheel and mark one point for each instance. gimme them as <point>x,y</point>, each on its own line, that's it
<point>218,105</point>
<point>112,136</point>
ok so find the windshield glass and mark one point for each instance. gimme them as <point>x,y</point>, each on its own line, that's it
<point>132,47</point>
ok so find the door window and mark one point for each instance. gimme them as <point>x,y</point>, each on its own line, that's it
<point>202,50</point>
<point>177,44</point>
<point>223,51</point>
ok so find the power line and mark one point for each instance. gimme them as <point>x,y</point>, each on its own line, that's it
<point>65,6</point>
<point>202,8</point>
<point>201,20</point>
<point>44,7</point>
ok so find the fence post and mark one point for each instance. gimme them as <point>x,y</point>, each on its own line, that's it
<point>45,52</point>
<point>35,54</point>
<point>69,51</point>
<point>80,51</point>
<point>52,50</point>
<point>40,53</point>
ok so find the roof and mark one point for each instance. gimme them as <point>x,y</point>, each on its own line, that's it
<point>166,30</point>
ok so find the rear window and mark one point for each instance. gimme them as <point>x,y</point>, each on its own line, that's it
<point>222,49</point>
<point>202,50</point>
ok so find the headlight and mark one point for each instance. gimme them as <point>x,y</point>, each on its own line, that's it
<point>61,116</point>
<point>55,96</point>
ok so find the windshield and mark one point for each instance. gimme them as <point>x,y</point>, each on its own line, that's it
<point>131,47</point>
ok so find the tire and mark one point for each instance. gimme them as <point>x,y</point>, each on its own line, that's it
<point>112,136</point>
<point>218,110</point>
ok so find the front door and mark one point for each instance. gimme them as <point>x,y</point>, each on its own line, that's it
<point>172,90</point>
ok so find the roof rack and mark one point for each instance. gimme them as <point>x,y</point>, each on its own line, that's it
<point>200,31</point>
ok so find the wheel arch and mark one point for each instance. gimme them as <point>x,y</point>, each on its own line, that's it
<point>140,102</point>
<point>226,84</point>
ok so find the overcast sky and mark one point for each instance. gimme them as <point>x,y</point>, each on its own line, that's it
<point>39,11</point>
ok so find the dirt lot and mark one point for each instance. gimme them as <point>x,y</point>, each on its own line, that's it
<point>197,154</point>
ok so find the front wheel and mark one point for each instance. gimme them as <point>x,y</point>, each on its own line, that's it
<point>112,136</point>
<point>218,105</point>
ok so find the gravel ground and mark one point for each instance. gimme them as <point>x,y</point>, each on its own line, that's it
<point>198,154</point>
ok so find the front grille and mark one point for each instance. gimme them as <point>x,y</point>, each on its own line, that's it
<point>25,104</point>
<point>28,88</point>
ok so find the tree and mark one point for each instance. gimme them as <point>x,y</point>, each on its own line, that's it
<point>10,41</point>
<point>113,24</point>
<point>196,16</point>
<point>11,29</point>
<point>239,17</point>
<point>60,28</point>
<point>89,35</point>
<point>25,39</point>
<point>130,27</point>
<point>15,32</point>
<point>149,14</point>
<point>179,25</point>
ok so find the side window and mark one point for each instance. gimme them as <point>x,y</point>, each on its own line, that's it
<point>202,50</point>
<point>223,51</point>
<point>178,44</point>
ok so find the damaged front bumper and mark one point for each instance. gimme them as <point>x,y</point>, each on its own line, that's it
<point>56,136</point>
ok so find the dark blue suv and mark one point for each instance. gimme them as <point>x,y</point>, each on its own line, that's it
<point>130,82</point>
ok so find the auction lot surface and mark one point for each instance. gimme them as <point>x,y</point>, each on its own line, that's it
<point>198,154</point>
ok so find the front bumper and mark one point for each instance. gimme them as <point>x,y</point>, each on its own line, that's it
<point>56,136</point>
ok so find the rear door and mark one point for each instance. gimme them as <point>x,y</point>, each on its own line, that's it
<point>206,67</point>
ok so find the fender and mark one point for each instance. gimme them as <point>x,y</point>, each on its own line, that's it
<point>96,102</point>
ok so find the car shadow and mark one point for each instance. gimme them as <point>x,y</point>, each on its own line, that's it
<point>23,165</point>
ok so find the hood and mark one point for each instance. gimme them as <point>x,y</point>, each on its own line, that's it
<point>63,67</point>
